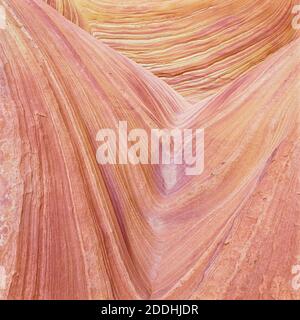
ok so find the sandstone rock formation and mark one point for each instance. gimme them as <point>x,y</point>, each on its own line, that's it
<point>73,229</point>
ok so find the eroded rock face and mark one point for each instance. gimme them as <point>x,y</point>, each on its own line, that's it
<point>71,228</point>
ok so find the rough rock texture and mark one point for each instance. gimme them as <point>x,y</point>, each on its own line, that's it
<point>70,228</point>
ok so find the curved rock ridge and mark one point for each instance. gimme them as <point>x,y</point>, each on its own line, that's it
<point>73,229</point>
<point>197,47</point>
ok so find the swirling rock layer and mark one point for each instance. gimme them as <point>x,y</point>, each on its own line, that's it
<point>70,228</point>
<point>197,47</point>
